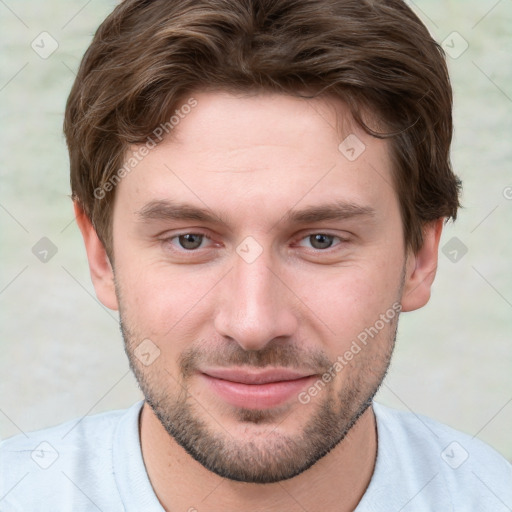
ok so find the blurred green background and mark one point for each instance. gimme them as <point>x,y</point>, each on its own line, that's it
<point>61,350</point>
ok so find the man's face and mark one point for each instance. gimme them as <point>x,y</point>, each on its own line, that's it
<point>259,287</point>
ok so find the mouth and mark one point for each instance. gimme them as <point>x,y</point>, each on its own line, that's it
<point>256,389</point>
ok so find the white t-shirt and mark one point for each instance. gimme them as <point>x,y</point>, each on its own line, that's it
<point>96,464</point>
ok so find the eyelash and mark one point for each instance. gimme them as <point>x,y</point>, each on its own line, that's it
<point>181,250</point>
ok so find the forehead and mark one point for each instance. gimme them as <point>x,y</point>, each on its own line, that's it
<point>240,122</point>
<point>249,154</point>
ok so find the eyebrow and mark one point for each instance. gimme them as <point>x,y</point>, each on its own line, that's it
<point>173,210</point>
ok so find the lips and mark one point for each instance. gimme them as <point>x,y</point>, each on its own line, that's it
<point>244,376</point>
<point>256,389</point>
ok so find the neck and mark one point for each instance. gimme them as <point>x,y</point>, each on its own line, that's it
<point>336,482</point>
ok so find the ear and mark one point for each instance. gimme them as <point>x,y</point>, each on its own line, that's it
<point>421,268</point>
<point>102,274</point>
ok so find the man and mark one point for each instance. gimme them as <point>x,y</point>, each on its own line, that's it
<point>261,186</point>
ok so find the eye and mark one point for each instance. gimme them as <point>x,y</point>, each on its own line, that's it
<point>188,241</point>
<point>321,241</point>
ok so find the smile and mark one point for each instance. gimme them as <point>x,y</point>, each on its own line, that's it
<point>257,389</point>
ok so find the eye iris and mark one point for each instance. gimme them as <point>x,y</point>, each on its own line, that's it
<point>321,241</point>
<point>190,241</point>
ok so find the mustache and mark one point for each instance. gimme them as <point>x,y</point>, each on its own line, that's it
<point>276,353</point>
<point>273,354</point>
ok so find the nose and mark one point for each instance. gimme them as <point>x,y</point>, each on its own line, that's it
<point>255,305</point>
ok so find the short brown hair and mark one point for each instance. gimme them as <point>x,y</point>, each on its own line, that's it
<point>375,55</point>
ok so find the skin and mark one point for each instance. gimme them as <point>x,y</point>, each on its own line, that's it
<point>251,160</point>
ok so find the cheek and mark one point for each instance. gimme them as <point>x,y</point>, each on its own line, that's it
<point>152,302</point>
<point>354,301</point>
<point>170,305</point>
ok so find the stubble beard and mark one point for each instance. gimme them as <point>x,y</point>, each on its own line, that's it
<point>269,455</point>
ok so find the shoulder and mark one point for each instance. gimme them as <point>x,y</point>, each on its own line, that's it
<point>436,464</point>
<point>71,461</point>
